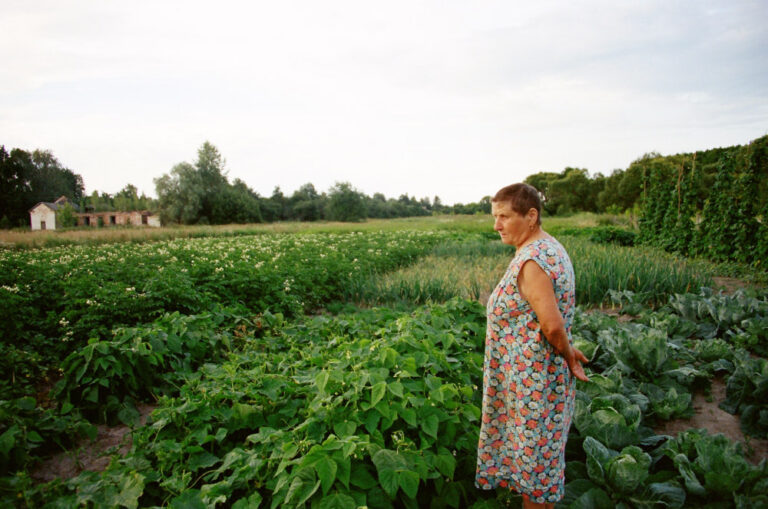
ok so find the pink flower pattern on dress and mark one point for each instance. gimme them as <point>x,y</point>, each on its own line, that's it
<point>528,391</point>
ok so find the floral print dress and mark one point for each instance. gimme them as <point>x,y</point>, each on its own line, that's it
<point>528,391</point>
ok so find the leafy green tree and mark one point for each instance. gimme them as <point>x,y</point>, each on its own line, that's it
<point>541,181</point>
<point>306,204</point>
<point>66,217</point>
<point>609,197</point>
<point>437,205</point>
<point>201,193</point>
<point>180,195</point>
<point>128,199</point>
<point>345,203</point>
<point>100,202</point>
<point>50,179</point>
<point>27,178</point>
<point>571,192</point>
<point>15,188</point>
<point>237,204</point>
<point>274,207</point>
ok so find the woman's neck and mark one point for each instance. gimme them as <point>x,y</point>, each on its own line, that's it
<point>535,235</point>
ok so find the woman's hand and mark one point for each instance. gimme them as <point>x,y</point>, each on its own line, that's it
<point>575,361</point>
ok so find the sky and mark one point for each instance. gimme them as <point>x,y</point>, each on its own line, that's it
<point>449,98</point>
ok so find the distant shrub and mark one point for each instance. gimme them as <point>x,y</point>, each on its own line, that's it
<point>600,234</point>
<point>612,235</point>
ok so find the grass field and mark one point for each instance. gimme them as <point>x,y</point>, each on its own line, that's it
<point>20,239</point>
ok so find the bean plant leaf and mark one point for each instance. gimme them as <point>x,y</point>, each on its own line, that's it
<point>389,481</point>
<point>377,392</point>
<point>252,502</point>
<point>430,424</point>
<point>396,388</point>
<point>326,471</point>
<point>302,487</point>
<point>409,416</point>
<point>344,429</point>
<point>409,482</point>
<point>338,501</point>
<point>321,380</point>
<point>388,463</point>
<point>445,463</point>
<point>361,478</point>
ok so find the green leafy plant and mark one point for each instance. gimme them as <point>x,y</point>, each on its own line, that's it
<point>747,395</point>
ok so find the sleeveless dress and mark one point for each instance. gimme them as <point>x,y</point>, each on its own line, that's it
<point>528,391</point>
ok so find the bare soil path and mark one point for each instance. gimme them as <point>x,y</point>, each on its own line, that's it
<point>710,417</point>
<point>93,455</point>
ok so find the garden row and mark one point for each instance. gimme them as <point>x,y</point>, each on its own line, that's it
<point>52,301</point>
<point>381,408</point>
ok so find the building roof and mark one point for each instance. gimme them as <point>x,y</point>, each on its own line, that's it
<point>59,204</point>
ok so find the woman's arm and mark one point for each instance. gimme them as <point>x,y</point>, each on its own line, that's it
<point>536,287</point>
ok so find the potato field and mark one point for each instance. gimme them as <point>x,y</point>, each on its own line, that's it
<point>344,370</point>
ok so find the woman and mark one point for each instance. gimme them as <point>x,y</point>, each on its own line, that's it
<point>530,364</point>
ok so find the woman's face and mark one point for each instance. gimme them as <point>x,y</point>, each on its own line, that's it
<point>514,228</point>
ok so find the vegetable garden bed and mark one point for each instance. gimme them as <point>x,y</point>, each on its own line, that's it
<point>273,408</point>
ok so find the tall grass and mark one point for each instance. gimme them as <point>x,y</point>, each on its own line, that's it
<point>477,223</point>
<point>432,279</point>
<point>473,269</point>
<point>603,267</point>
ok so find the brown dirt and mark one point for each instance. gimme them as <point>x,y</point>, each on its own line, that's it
<point>710,417</point>
<point>614,312</point>
<point>729,284</point>
<point>93,455</point>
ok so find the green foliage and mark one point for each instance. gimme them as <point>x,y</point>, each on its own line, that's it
<point>104,378</point>
<point>84,292</point>
<point>345,203</point>
<point>725,188</point>
<point>27,178</point>
<point>376,408</point>
<point>601,268</point>
<point>740,318</point>
<point>612,419</point>
<point>65,217</point>
<point>127,199</point>
<point>747,395</point>
<point>567,192</point>
<point>621,479</point>
<point>713,469</point>
<point>27,431</point>
<point>601,234</point>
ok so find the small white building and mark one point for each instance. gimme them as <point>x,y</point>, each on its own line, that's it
<point>43,215</point>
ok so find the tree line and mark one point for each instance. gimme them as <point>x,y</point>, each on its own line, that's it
<point>201,193</point>
<point>28,178</point>
<point>574,190</point>
<point>198,193</point>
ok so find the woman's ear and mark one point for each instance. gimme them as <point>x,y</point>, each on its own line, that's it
<point>533,216</point>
